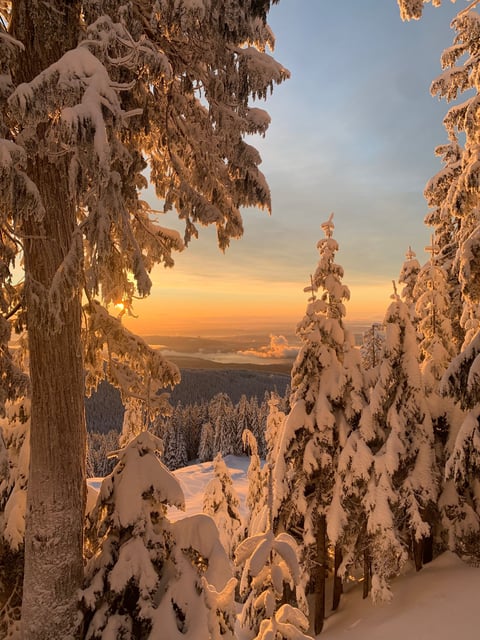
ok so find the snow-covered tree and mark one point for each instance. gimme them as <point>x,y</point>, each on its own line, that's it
<point>91,94</point>
<point>257,489</point>
<point>173,437</point>
<point>408,277</point>
<point>274,422</point>
<point>327,397</point>
<point>444,223</point>
<point>372,347</point>
<point>134,420</point>
<point>14,459</point>
<point>100,445</point>
<point>147,577</point>
<point>221,502</point>
<point>461,64</point>
<point>455,193</point>
<point>221,415</point>
<point>413,9</point>
<point>205,448</point>
<point>462,504</point>
<point>270,565</point>
<point>194,416</point>
<point>397,426</point>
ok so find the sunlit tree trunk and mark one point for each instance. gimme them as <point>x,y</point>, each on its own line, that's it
<point>337,580</point>
<point>56,491</point>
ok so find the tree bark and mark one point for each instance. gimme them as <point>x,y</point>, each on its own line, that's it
<point>337,581</point>
<point>417,553</point>
<point>319,578</point>
<point>367,574</point>
<point>56,488</point>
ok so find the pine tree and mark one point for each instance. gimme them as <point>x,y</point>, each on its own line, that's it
<point>221,415</point>
<point>408,277</point>
<point>397,426</point>
<point>256,494</point>
<point>93,93</point>
<point>371,351</point>
<point>274,424</point>
<point>326,399</point>
<point>437,349</point>
<point>192,428</point>
<point>438,192</point>
<point>461,190</point>
<point>242,422</point>
<point>100,446</point>
<point>147,577</point>
<point>205,448</point>
<point>462,503</point>
<point>221,502</point>
<point>173,437</point>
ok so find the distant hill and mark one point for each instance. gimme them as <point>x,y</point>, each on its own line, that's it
<point>104,409</point>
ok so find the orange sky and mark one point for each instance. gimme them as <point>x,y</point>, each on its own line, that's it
<point>196,304</point>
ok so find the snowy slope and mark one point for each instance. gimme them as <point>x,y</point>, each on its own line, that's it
<point>439,603</point>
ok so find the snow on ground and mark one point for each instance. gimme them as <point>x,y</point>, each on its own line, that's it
<point>195,478</point>
<point>441,602</point>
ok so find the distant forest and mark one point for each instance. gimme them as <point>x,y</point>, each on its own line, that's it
<point>211,410</point>
<point>104,409</point>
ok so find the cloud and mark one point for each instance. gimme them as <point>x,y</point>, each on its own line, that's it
<point>278,348</point>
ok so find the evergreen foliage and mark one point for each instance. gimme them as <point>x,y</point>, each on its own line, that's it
<point>221,502</point>
<point>326,399</point>
<point>147,576</point>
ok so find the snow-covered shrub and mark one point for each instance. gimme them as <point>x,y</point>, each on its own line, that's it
<point>270,565</point>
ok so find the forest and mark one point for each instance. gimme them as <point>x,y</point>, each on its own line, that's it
<point>369,464</point>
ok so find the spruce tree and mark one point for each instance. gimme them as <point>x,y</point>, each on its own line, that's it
<point>205,448</point>
<point>408,277</point>
<point>397,426</point>
<point>221,415</point>
<point>460,200</point>
<point>257,486</point>
<point>326,399</point>
<point>220,501</point>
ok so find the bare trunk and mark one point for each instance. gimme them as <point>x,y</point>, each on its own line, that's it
<point>418,553</point>
<point>320,575</point>
<point>56,490</point>
<point>337,581</point>
<point>367,574</point>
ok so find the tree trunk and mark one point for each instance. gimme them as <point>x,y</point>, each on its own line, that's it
<point>367,574</point>
<point>319,578</point>
<point>417,553</point>
<point>56,488</point>
<point>337,581</point>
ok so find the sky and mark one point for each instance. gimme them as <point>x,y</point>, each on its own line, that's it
<point>353,131</point>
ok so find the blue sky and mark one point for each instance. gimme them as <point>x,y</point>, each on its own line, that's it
<point>353,131</point>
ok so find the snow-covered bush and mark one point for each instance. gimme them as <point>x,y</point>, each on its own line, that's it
<point>270,565</point>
